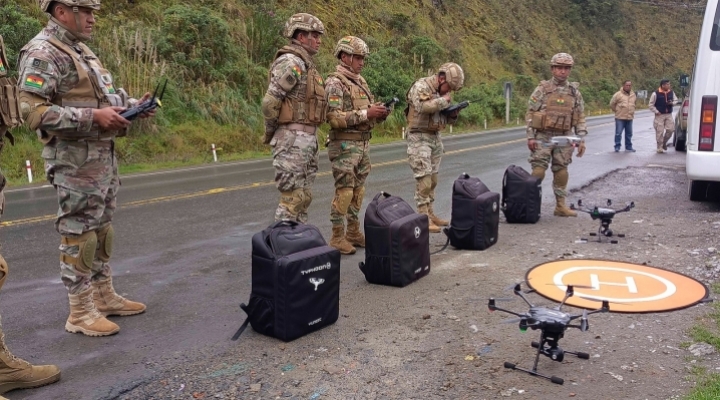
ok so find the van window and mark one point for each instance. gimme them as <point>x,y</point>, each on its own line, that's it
<point>715,37</point>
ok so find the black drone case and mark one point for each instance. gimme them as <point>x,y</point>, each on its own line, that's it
<point>475,215</point>
<point>295,281</point>
<point>397,242</point>
<point>521,196</point>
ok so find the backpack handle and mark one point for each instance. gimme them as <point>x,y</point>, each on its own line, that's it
<point>385,194</point>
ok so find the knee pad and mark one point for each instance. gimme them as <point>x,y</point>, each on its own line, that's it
<point>358,196</point>
<point>561,178</point>
<point>105,236</point>
<point>293,201</point>
<point>424,185</point>
<point>434,181</point>
<point>3,271</point>
<point>307,199</point>
<point>87,246</point>
<point>342,199</point>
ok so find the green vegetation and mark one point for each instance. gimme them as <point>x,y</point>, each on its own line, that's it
<point>706,331</point>
<point>216,55</point>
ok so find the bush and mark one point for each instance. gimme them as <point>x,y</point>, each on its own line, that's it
<point>16,29</point>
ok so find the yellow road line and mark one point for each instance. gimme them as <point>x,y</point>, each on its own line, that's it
<point>163,199</point>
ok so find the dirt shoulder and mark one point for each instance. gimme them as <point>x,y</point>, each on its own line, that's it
<point>436,339</point>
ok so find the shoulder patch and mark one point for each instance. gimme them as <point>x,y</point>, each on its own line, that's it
<point>319,80</point>
<point>39,64</point>
<point>334,101</point>
<point>34,81</point>
<point>296,71</point>
<point>3,70</point>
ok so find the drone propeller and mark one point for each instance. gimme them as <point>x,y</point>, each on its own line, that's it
<point>603,301</point>
<point>573,286</point>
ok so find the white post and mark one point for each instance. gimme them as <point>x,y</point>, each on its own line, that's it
<point>485,123</point>
<point>451,129</point>
<point>214,152</point>
<point>29,170</point>
<point>517,122</point>
<point>403,132</point>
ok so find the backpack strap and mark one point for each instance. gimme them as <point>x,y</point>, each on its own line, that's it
<point>244,325</point>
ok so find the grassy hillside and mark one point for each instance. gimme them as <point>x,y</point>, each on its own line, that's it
<point>216,54</point>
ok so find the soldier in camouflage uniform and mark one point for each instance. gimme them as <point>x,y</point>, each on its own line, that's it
<point>14,372</point>
<point>556,108</point>
<point>71,101</point>
<point>352,113</point>
<point>426,99</point>
<point>293,107</point>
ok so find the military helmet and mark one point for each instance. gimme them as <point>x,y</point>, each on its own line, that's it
<point>454,75</point>
<point>351,45</point>
<point>562,59</point>
<point>304,22</point>
<point>92,4</point>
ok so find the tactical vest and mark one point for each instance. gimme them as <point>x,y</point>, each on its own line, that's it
<point>560,113</point>
<point>9,108</point>
<point>422,122</point>
<point>361,99</point>
<point>305,103</point>
<point>95,88</point>
<point>663,104</point>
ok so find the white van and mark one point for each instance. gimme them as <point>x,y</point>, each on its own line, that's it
<point>703,137</point>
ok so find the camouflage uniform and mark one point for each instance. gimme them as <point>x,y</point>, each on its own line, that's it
<point>425,148</point>
<point>555,108</point>
<point>61,83</point>
<point>14,372</point>
<point>348,98</point>
<point>293,107</point>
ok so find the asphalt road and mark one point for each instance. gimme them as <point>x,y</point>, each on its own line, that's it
<point>183,247</point>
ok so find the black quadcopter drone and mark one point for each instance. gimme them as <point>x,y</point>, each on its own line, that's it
<point>605,215</point>
<point>552,323</point>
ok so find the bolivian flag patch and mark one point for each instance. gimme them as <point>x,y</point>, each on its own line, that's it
<point>363,96</point>
<point>319,80</point>
<point>334,101</point>
<point>110,88</point>
<point>561,101</point>
<point>296,71</point>
<point>34,81</point>
<point>2,66</point>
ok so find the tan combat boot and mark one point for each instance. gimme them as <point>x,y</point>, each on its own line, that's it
<point>108,302</point>
<point>353,234</point>
<point>423,209</point>
<point>20,374</point>
<point>561,210</point>
<point>86,319</point>
<point>435,219</point>
<point>339,242</point>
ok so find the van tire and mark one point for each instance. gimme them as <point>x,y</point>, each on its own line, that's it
<point>679,144</point>
<point>698,190</point>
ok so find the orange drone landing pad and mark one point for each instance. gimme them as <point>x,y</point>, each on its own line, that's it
<point>630,288</point>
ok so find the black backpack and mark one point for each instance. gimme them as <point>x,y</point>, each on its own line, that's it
<point>521,196</point>
<point>295,282</point>
<point>475,215</point>
<point>397,242</point>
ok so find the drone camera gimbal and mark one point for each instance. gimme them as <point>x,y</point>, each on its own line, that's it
<point>605,215</point>
<point>552,323</point>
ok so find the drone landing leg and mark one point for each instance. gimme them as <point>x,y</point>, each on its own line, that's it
<point>533,371</point>
<point>579,354</point>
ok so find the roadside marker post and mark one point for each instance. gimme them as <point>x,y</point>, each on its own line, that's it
<point>214,152</point>
<point>29,170</point>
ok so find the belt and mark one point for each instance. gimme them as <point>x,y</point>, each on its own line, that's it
<point>311,129</point>
<point>350,135</point>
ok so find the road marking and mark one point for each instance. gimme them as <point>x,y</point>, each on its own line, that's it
<point>163,199</point>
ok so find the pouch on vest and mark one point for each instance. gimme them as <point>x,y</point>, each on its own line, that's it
<point>295,282</point>
<point>537,120</point>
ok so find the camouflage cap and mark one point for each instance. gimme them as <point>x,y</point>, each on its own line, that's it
<point>92,4</point>
<point>351,45</point>
<point>454,75</point>
<point>304,22</point>
<point>562,59</point>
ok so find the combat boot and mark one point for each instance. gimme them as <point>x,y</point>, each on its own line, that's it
<point>423,209</point>
<point>561,210</point>
<point>20,374</point>
<point>339,242</point>
<point>435,219</point>
<point>86,319</point>
<point>108,302</point>
<point>353,234</point>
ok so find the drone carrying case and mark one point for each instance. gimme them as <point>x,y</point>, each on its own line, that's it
<point>475,215</point>
<point>397,242</point>
<point>521,196</point>
<point>295,282</point>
